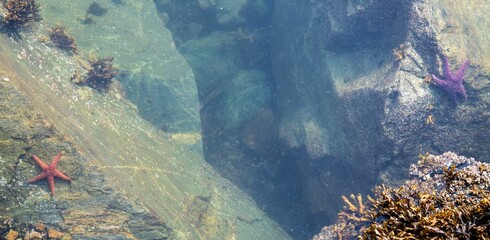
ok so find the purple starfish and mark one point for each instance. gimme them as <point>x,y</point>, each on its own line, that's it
<point>452,83</point>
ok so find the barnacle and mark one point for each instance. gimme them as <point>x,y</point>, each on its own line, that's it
<point>399,52</point>
<point>429,120</point>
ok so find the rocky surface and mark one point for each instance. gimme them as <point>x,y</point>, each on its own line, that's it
<point>87,208</point>
<point>231,63</point>
<point>129,179</point>
<point>155,76</point>
<point>191,19</point>
<point>345,98</point>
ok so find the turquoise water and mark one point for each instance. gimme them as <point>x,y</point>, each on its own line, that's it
<point>234,119</point>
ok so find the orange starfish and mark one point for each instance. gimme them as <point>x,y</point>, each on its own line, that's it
<point>49,172</point>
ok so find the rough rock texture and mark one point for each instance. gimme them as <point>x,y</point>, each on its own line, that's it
<point>129,179</point>
<point>345,98</point>
<point>87,208</point>
<point>190,19</point>
<point>247,95</point>
<point>239,128</point>
<point>213,62</point>
<point>231,63</point>
<point>401,104</point>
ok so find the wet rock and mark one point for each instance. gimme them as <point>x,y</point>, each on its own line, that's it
<point>247,94</point>
<point>260,137</point>
<point>37,134</point>
<point>228,11</point>
<point>236,98</point>
<point>212,58</point>
<point>27,231</point>
<point>11,235</point>
<point>192,19</point>
<point>152,72</point>
<point>368,108</point>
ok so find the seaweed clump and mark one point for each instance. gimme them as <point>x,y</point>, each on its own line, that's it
<point>62,40</point>
<point>100,72</point>
<point>448,199</point>
<point>95,9</point>
<point>18,13</point>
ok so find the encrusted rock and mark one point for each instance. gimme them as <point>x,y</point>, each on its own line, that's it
<point>452,203</point>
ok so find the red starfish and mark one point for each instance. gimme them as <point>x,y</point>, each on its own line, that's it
<point>49,172</point>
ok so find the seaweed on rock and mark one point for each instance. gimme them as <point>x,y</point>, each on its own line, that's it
<point>442,203</point>
<point>62,40</point>
<point>100,72</point>
<point>18,13</point>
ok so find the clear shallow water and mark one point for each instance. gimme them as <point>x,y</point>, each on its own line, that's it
<point>221,86</point>
<point>238,119</point>
<point>161,169</point>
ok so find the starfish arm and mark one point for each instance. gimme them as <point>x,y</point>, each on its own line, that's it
<point>447,71</point>
<point>464,94</point>
<point>49,172</point>
<point>61,175</point>
<point>38,177</point>
<point>40,162</point>
<point>460,73</point>
<point>55,161</point>
<point>51,184</point>
<point>438,81</point>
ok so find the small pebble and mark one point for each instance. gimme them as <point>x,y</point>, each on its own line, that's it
<point>33,235</point>
<point>40,227</point>
<point>12,235</point>
<point>53,234</point>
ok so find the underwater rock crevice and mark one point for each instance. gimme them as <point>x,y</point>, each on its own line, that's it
<point>231,63</point>
<point>353,25</point>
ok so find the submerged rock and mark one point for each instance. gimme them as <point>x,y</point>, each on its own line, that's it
<point>155,77</point>
<point>129,179</point>
<point>369,109</point>
<point>246,95</point>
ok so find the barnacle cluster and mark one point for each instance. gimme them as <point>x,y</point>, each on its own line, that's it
<point>449,198</point>
<point>17,13</point>
<point>399,52</point>
<point>430,119</point>
<point>61,39</point>
<point>100,72</point>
